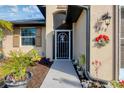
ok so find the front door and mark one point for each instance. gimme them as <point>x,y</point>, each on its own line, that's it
<point>62,44</point>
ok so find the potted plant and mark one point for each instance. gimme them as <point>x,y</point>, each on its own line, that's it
<point>81,65</point>
<point>82,62</point>
<point>2,83</point>
<point>2,75</point>
<point>16,69</point>
<point>4,25</point>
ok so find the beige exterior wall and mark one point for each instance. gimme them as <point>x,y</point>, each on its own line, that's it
<point>8,44</point>
<point>50,10</point>
<point>80,36</point>
<point>104,54</point>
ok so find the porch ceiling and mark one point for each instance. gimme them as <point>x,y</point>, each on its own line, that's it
<point>73,12</point>
<point>65,26</point>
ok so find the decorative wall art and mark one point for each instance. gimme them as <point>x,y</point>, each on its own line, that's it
<point>102,23</point>
<point>101,27</point>
<point>101,40</point>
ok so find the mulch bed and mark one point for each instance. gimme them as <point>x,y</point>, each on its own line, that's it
<point>39,71</point>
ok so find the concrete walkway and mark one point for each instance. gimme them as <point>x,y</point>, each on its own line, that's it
<point>61,75</point>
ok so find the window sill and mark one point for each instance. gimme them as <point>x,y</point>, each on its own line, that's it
<point>27,46</point>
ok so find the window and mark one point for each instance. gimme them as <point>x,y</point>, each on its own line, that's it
<point>28,36</point>
<point>121,45</point>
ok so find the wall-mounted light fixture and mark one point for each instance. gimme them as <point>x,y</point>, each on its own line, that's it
<point>107,21</point>
<point>106,18</point>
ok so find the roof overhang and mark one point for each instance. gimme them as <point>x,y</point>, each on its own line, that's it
<point>42,8</point>
<point>36,22</point>
<point>73,13</point>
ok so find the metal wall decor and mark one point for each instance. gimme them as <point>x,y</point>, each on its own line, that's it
<point>101,26</point>
<point>102,23</point>
<point>107,18</point>
<point>101,40</point>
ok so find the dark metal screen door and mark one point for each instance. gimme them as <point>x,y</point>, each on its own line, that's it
<point>62,44</point>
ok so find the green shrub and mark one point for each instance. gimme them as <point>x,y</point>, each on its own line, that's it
<point>18,64</point>
<point>82,60</point>
<point>34,55</point>
<point>118,84</point>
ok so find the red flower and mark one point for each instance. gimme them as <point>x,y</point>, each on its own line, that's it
<point>106,38</point>
<point>121,81</point>
<point>100,36</point>
<point>103,38</point>
<point>97,39</point>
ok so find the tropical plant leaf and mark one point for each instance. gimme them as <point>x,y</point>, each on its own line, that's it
<point>6,25</point>
<point>82,60</point>
<point>1,34</point>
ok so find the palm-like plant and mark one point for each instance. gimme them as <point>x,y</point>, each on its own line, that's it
<point>5,25</point>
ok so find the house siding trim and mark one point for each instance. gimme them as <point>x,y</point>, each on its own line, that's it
<point>119,40</point>
<point>116,42</point>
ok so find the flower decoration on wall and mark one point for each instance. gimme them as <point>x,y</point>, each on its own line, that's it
<point>97,64</point>
<point>101,40</point>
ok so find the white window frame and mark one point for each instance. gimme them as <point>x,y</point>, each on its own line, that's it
<point>26,37</point>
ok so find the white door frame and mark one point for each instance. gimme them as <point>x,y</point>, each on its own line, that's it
<point>69,43</point>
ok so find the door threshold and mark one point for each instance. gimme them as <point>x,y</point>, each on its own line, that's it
<point>62,60</point>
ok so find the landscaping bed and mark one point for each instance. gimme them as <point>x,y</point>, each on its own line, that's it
<point>90,82</point>
<point>23,70</point>
<point>39,73</point>
<point>85,80</point>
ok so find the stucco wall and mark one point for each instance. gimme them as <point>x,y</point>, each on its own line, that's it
<point>80,36</point>
<point>50,10</point>
<point>8,44</point>
<point>104,54</point>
